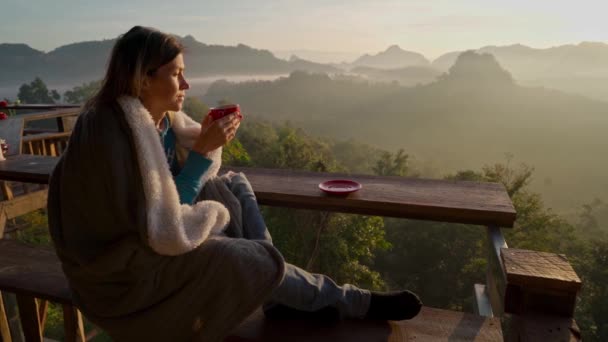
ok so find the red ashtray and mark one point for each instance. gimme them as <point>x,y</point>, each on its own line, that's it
<point>340,186</point>
<point>220,112</point>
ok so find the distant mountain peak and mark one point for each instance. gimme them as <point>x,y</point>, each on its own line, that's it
<point>393,57</point>
<point>19,49</point>
<point>189,38</point>
<point>472,67</point>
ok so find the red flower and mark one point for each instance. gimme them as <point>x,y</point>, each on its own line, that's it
<point>3,104</point>
<point>3,116</point>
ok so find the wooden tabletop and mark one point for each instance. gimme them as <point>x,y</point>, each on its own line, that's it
<point>41,106</point>
<point>27,168</point>
<point>425,199</point>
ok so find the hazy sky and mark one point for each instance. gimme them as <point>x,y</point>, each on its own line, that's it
<point>431,27</point>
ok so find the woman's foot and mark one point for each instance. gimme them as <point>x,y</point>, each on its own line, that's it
<point>393,306</point>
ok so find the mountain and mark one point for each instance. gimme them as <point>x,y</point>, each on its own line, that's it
<point>586,58</point>
<point>581,68</point>
<point>86,61</point>
<point>583,59</point>
<point>318,56</point>
<point>407,76</point>
<point>470,116</point>
<point>392,58</point>
<point>16,57</point>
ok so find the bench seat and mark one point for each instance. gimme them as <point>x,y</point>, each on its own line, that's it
<point>36,272</point>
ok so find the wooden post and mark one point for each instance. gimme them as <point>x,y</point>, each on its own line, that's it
<point>30,319</point>
<point>43,306</point>
<point>5,332</point>
<point>495,276</point>
<point>540,295</point>
<point>73,325</point>
<point>60,126</point>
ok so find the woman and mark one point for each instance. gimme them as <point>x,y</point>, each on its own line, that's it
<point>140,241</point>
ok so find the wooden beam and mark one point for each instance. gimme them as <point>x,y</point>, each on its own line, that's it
<point>12,314</point>
<point>24,204</point>
<point>34,271</point>
<point>43,306</point>
<point>42,106</point>
<point>5,332</point>
<point>542,327</point>
<point>7,192</point>
<point>424,199</point>
<point>73,324</point>
<point>28,311</point>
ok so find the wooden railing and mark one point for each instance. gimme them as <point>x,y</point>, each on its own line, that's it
<point>52,141</point>
<point>534,299</point>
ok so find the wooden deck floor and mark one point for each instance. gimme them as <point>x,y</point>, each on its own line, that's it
<point>430,325</point>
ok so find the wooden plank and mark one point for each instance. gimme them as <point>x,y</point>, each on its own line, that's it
<point>41,106</point>
<point>24,204</point>
<point>5,332</point>
<point>52,114</point>
<point>32,271</point>
<point>12,313</point>
<point>28,311</point>
<point>28,168</point>
<point>43,306</point>
<point>430,325</point>
<point>21,205</point>
<point>535,327</point>
<point>425,199</point>
<point>68,123</point>
<point>7,191</point>
<point>46,136</point>
<point>72,324</point>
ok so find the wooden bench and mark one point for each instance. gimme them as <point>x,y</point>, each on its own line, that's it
<point>35,272</point>
<point>34,275</point>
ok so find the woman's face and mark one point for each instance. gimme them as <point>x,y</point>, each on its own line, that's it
<point>166,88</point>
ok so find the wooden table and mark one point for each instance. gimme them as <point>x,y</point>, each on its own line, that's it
<point>27,168</point>
<point>437,200</point>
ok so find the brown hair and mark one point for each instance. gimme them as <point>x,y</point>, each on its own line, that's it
<point>137,53</point>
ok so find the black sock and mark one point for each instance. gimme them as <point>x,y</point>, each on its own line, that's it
<point>393,306</point>
<point>280,311</point>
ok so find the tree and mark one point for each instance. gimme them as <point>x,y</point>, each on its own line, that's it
<point>82,93</point>
<point>389,165</point>
<point>37,92</point>
<point>442,261</point>
<point>342,246</point>
<point>234,154</point>
<point>195,108</point>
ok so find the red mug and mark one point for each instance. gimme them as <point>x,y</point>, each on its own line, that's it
<point>220,112</point>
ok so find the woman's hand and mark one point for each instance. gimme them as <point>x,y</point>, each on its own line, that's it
<point>216,133</point>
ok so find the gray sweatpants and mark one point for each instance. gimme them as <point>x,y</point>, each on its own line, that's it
<point>299,289</point>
